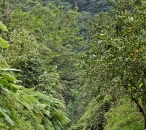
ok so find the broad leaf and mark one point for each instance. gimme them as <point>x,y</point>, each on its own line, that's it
<point>3,43</point>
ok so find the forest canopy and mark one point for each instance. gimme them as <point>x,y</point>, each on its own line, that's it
<point>72,65</point>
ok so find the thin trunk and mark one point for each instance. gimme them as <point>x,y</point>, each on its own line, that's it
<point>141,109</point>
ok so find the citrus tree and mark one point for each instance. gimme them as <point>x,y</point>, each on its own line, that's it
<point>115,61</point>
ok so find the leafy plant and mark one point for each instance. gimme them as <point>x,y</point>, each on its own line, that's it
<point>22,108</point>
<point>93,117</point>
<point>124,116</point>
<point>115,61</point>
<point>7,87</point>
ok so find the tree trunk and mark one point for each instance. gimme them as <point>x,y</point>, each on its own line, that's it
<point>141,109</point>
<point>140,106</point>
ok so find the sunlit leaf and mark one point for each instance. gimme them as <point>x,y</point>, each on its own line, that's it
<point>3,43</point>
<point>3,27</point>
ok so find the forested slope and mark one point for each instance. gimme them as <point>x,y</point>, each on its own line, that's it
<point>114,65</point>
<point>38,38</point>
<point>72,65</point>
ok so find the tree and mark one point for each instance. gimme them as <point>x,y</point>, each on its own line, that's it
<point>26,108</point>
<point>94,6</point>
<point>115,61</point>
<point>93,118</point>
<point>9,89</point>
<point>45,50</point>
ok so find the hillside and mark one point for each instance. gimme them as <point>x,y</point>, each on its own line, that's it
<point>72,65</point>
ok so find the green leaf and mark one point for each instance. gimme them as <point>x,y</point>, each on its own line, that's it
<point>102,36</point>
<point>8,119</point>
<point>3,43</point>
<point>8,77</point>
<point>14,87</point>
<point>3,27</point>
<point>140,85</point>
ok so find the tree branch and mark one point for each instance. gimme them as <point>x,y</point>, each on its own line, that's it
<point>137,103</point>
<point>76,2</point>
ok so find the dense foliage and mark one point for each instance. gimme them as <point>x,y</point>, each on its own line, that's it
<point>115,61</point>
<point>23,108</point>
<point>72,65</point>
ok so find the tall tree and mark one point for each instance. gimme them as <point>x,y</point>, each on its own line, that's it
<point>115,61</point>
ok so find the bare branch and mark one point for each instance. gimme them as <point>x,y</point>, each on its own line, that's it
<point>76,2</point>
